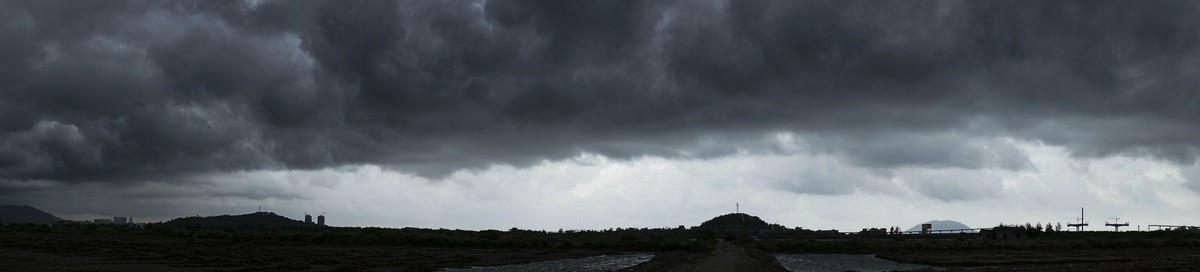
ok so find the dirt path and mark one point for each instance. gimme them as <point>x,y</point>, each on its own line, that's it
<point>730,257</point>
<point>725,257</point>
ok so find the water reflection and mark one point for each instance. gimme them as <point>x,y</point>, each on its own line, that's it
<point>840,262</point>
<point>594,263</point>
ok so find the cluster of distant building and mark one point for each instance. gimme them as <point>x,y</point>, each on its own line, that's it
<point>320,219</point>
<point>116,220</point>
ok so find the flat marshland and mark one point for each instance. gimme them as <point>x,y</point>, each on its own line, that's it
<point>150,248</point>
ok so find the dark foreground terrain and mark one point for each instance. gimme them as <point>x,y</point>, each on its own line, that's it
<point>32,251</point>
<point>126,248</point>
<point>725,256</point>
<point>1063,251</point>
<point>1143,259</point>
<point>123,248</point>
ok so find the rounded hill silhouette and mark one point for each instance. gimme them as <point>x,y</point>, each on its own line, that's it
<point>250,220</point>
<point>26,214</point>
<point>737,222</point>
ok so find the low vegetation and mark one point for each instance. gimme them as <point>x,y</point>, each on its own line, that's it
<point>287,245</point>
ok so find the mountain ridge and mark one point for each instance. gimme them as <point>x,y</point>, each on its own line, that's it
<point>23,214</point>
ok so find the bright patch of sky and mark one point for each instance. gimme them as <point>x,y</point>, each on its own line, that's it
<point>595,192</point>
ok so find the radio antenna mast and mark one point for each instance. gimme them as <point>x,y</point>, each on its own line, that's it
<point>738,210</point>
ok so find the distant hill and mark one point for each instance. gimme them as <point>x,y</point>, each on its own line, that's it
<point>11,214</point>
<point>250,220</point>
<point>941,225</point>
<point>736,222</point>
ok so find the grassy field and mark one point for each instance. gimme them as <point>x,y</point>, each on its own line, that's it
<point>122,248</point>
<point>1062,251</point>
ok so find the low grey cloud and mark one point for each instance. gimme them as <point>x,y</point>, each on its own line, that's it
<point>891,149</point>
<point>822,177</point>
<point>1191,177</point>
<point>120,91</point>
<point>953,184</point>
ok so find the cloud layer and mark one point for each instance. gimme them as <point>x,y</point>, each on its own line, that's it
<point>133,91</point>
<point>594,192</point>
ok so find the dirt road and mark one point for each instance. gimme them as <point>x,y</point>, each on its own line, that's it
<point>725,257</point>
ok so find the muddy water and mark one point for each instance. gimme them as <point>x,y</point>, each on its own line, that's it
<point>594,263</point>
<point>840,262</point>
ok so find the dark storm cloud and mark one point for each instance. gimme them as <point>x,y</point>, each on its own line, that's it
<point>136,90</point>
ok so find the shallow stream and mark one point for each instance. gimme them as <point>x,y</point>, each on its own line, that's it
<point>594,263</point>
<point>840,262</point>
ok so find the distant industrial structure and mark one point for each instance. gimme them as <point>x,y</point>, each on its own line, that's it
<point>935,227</point>
<point>321,219</point>
<point>1172,228</point>
<point>1079,226</point>
<point>307,218</point>
<point>1004,233</point>
<point>1116,226</point>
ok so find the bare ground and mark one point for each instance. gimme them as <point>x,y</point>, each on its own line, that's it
<point>725,257</point>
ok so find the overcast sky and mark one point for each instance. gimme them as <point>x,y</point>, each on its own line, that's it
<point>597,114</point>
